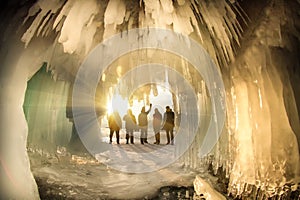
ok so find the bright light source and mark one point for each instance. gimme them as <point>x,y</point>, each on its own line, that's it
<point>117,103</point>
<point>163,99</point>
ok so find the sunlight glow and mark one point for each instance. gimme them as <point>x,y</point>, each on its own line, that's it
<point>163,99</point>
<point>117,103</point>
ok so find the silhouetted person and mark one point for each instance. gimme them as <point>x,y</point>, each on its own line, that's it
<point>143,124</point>
<point>115,124</point>
<point>157,118</point>
<point>130,125</point>
<point>168,120</point>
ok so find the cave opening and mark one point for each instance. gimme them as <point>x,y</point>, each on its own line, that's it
<point>60,149</point>
<point>56,148</point>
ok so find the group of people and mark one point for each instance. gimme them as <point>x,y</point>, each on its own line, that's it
<point>165,122</point>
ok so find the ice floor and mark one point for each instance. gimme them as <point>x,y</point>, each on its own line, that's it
<point>138,158</point>
<point>80,176</point>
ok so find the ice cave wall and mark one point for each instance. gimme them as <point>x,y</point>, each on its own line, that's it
<point>45,112</point>
<point>258,58</point>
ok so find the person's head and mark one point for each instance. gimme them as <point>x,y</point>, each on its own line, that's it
<point>129,111</point>
<point>156,110</point>
<point>143,109</point>
<point>168,108</point>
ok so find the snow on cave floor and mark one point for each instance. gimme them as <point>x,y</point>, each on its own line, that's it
<point>80,176</point>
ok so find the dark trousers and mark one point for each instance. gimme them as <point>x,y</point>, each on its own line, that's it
<point>117,135</point>
<point>169,133</point>
<point>129,134</point>
<point>157,137</point>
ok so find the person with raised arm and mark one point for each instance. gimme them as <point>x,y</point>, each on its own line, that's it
<point>143,124</point>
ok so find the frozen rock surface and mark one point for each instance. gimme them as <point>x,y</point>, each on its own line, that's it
<point>208,192</point>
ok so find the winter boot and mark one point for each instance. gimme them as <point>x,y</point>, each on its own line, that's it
<point>118,137</point>
<point>157,138</point>
<point>127,138</point>
<point>168,138</point>
<point>131,140</point>
<point>142,140</point>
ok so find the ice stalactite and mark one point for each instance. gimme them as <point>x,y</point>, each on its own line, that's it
<point>64,18</point>
<point>183,20</point>
<point>223,26</point>
<point>82,21</point>
<point>263,143</point>
<point>114,15</point>
<point>183,17</point>
<point>43,12</point>
<point>163,14</point>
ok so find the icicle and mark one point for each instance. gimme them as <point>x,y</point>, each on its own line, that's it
<point>79,16</point>
<point>182,23</point>
<point>43,24</point>
<point>167,6</point>
<point>220,20</point>
<point>64,12</point>
<point>151,14</point>
<point>264,96</point>
<point>196,26</point>
<point>115,12</point>
<point>114,15</point>
<point>46,8</point>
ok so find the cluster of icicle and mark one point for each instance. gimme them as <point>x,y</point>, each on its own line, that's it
<point>260,151</point>
<point>258,146</point>
<point>264,130</point>
<point>80,23</point>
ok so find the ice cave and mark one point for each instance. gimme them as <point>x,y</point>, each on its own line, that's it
<point>228,69</point>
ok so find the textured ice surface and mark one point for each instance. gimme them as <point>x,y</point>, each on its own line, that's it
<point>203,187</point>
<point>82,177</point>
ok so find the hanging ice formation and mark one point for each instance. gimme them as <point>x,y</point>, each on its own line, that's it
<point>259,146</point>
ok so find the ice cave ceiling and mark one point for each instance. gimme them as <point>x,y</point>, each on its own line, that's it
<point>254,44</point>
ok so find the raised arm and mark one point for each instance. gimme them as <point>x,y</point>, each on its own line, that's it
<point>149,109</point>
